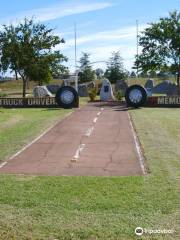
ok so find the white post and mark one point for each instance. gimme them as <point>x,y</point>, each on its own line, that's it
<point>75,52</point>
<point>137,42</point>
<point>76,81</point>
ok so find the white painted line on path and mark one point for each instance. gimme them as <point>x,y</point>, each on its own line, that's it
<point>138,148</point>
<point>3,164</point>
<point>95,120</point>
<point>89,131</point>
<point>78,151</point>
<point>87,134</point>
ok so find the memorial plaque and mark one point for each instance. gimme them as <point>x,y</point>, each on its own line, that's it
<point>28,102</point>
<point>106,93</point>
<point>106,88</point>
<point>163,101</point>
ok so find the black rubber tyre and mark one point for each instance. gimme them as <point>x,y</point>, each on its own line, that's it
<point>67,97</point>
<point>136,96</point>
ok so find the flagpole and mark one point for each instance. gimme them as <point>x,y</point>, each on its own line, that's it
<point>75,54</point>
<point>137,45</point>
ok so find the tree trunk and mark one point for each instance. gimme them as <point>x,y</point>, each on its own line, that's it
<point>16,74</point>
<point>24,86</point>
<point>27,83</point>
<point>178,79</point>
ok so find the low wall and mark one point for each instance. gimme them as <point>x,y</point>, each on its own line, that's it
<point>28,102</point>
<point>163,101</point>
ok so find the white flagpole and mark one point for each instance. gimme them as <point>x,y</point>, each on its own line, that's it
<point>137,38</point>
<point>75,52</point>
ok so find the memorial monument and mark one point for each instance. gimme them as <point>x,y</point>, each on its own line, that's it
<point>41,91</point>
<point>106,93</point>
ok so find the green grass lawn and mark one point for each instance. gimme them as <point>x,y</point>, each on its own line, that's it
<point>14,88</point>
<point>67,208</point>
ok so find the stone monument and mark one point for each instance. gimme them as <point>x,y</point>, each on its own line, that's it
<point>149,83</point>
<point>165,87</point>
<point>53,88</point>
<point>121,85</point>
<point>84,88</point>
<point>41,91</point>
<point>106,93</point>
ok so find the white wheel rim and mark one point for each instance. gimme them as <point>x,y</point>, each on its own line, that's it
<point>67,97</point>
<point>135,96</point>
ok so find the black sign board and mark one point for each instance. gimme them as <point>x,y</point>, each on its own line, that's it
<point>106,88</point>
<point>163,101</point>
<point>28,102</point>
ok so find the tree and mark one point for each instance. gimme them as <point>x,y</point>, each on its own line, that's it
<point>115,69</point>
<point>84,60</point>
<point>160,44</point>
<point>26,49</point>
<point>99,73</point>
<point>143,74</point>
<point>86,74</point>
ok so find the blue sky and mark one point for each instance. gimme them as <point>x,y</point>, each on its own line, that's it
<point>103,26</point>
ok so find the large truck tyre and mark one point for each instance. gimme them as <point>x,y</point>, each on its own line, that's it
<point>67,97</point>
<point>136,96</point>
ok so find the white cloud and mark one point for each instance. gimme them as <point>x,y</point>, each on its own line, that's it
<point>102,54</point>
<point>58,11</point>
<point>101,44</point>
<point>125,33</point>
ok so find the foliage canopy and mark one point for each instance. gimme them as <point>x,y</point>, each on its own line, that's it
<point>87,74</point>
<point>115,69</point>
<point>160,44</point>
<point>27,49</point>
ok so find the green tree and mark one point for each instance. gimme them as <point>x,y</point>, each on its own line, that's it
<point>26,49</point>
<point>99,73</point>
<point>115,69</point>
<point>86,74</point>
<point>160,44</point>
<point>84,60</point>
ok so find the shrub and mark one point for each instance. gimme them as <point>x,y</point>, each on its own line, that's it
<point>98,86</point>
<point>92,93</point>
<point>119,95</point>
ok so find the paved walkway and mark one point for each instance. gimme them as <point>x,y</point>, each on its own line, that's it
<point>96,140</point>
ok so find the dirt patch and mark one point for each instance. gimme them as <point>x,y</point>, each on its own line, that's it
<point>15,119</point>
